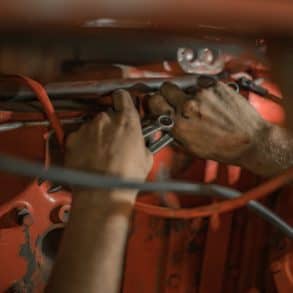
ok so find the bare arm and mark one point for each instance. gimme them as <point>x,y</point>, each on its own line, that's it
<point>92,251</point>
<point>219,124</point>
<point>272,154</point>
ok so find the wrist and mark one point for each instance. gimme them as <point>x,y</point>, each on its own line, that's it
<point>104,200</point>
<point>263,157</point>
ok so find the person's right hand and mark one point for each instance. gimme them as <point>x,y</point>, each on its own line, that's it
<point>111,144</point>
<point>217,123</point>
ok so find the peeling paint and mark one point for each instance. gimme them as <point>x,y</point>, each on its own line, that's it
<point>28,254</point>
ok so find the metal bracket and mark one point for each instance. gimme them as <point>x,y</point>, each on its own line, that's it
<point>204,62</point>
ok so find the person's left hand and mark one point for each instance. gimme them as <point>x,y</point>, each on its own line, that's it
<point>215,124</point>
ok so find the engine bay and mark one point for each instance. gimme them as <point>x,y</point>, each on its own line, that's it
<point>178,242</point>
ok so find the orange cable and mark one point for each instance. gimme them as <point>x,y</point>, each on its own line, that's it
<point>219,207</point>
<point>42,96</point>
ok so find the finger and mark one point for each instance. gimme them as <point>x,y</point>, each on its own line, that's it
<point>99,123</point>
<point>111,113</point>
<point>226,93</point>
<point>123,101</point>
<point>158,105</point>
<point>190,109</point>
<point>173,94</point>
<point>219,108</point>
<point>74,137</point>
<point>101,118</point>
<point>128,116</point>
<point>213,107</point>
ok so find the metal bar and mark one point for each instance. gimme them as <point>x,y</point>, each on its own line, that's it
<point>161,143</point>
<point>16,125</point>
<point>92,180</point>
<point>95,89</point>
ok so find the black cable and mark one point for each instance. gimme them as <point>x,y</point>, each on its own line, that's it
<point>91,180</point>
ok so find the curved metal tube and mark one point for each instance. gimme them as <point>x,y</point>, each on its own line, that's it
<point>91,180</point>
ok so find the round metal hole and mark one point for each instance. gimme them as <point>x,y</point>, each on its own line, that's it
<point>234,86</point>
<point>166,121</point>
<point>51,241</point>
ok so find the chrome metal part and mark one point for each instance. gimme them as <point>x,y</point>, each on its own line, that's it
<point>234,86</point>
<point>163,123</point>
<point>19,124</point>
<point>165,140</point>
<point>205,61</point>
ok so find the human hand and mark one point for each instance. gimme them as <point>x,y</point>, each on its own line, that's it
<point>99,219</point>
<point>217,123</point>
<point>111,144</point>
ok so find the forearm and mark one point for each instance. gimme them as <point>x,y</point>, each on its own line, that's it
<point>271,154</point>
<point>92,250</point>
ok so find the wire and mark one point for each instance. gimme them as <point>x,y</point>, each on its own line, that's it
<point>91,180</point>
<point>41,94</point>
<point>87,180</point>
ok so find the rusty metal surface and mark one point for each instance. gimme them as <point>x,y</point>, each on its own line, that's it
<point>237,253</point>
<point>94,89</point>
<point>21,240</point>
<point>162,255</point>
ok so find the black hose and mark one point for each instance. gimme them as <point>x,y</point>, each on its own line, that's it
<point>91,180</point>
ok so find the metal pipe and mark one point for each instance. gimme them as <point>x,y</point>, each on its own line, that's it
<point>92,180</point>
<point>94,89</point>
<point>18,124</point>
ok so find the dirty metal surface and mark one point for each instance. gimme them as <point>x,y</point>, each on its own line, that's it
<point>236,252</point>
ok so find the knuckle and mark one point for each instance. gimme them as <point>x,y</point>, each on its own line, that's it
<point>123,118</point>
<point>190,108</point>
<point>158,105</point>
<point>100,118</point>
<point>127,119</point>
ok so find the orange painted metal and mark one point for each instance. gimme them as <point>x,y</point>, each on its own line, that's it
<point>188,16</point>
<point>227,253</point>
<point>23,263</point>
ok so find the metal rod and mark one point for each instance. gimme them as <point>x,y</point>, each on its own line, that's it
<point>95,89</point>
<point>92,180</point>
<point>15,125</point>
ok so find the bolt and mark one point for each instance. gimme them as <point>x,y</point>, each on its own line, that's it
<point>188,54</point>
<point>206,56</point>
<point>63,213</point>
<point>24,217</point>
<point>166,120</point>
